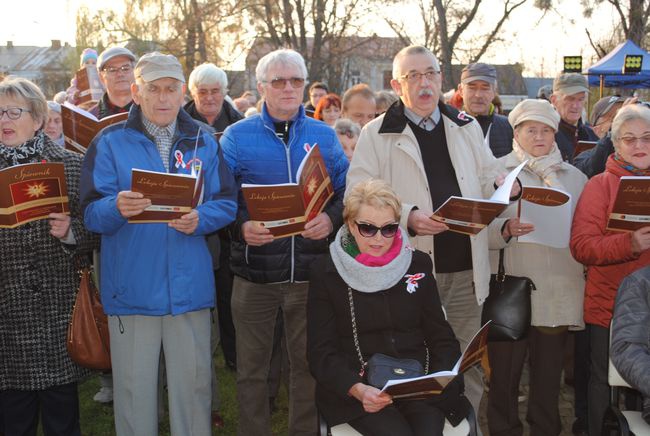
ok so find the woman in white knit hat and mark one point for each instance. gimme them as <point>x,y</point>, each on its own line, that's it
<point>556,302</point>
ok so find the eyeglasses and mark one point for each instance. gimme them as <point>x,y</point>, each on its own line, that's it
<point>114,70</point>
<point>369,230</point>
<point>13,113</point>
<point>630,141</point>
<point>415,77</point>
<point>279,83</point>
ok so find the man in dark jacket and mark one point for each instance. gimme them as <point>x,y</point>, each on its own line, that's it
<point>478,86</point>
<point>272,274</point>
<point>208,86</point>
<point>569,98</point>
<point>115,65</point>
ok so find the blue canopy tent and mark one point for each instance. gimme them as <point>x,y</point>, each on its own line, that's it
<point>608,71</point>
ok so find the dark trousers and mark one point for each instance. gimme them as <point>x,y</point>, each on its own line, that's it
<point>546,356</point>
<point>598,385</point>
<point>58,407</point>
<point>223,278</point>
<point>403,418</point>
<point>581,375</point>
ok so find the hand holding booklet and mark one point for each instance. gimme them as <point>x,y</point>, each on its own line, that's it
<point>286,207</point>
<point>433,384</point>
<point>471,215</point>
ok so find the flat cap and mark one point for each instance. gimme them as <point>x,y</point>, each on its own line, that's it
<point>155,65</point>
<point>479,71</point>
<point>111,53</point>
<point>570,83</point>
<point>534,110</point>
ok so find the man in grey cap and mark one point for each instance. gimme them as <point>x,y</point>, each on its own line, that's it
<point>478,87</point>
<point>157,284</point>
<point>115,65</point>
<point>569,98</point>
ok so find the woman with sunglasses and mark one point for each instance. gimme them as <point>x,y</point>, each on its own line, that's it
<point>39,280</point>
<point>556,303</point>
<point>609,255</point>
<point>397,313</point>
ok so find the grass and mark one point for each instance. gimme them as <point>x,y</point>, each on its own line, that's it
<point>97,419</point>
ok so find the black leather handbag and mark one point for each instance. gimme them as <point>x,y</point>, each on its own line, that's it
<point>508,305</point>
<point>381,368</point>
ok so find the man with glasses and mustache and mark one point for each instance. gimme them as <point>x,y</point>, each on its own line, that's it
<point>429,151</point>
<point>478,86</point>
<point>115,67</point>
<point>272,274</point>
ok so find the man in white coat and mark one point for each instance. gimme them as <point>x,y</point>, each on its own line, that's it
<point>429,151</point>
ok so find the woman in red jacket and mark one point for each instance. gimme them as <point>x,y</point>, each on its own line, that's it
<point>609,255</point>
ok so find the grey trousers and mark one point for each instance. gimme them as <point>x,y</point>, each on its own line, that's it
<point>136,342</point>
<point>254,308</point>
<point>464,315</point>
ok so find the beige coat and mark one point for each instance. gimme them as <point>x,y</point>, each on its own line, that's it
<point>557,276</point>
<point>387,149</point>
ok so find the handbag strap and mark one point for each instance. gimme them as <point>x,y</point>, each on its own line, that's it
<point>356,338</point>
<point>501,274</point>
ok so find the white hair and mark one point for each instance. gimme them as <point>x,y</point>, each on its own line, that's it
<point>628,113</point>
<point>412,50</point>
<point>283,56</point>
<point>208,74</point>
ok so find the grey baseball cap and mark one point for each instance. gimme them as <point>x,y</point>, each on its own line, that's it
<point>570,83</point>
<point>111,53</point>
<point>479,71</point>
<point>155,65</point>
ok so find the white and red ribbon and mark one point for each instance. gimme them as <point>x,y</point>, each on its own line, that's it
<point>412,281</point>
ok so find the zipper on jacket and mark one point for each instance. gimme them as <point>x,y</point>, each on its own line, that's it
<point>287,148</point>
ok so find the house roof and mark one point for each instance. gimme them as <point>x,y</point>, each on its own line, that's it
<point>31,61</point>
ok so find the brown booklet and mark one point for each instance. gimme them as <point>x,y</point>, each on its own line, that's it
<point>171,195</point>
<point>584,146</point>
<point>31,192</point>
<point>631,209</point>
<point>433,384</point>
<point>80,127</point>
<point>285,208</point>
<point>88,84</point>
<point>471,215</point>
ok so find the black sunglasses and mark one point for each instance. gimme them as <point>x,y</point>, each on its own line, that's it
<point>369,230</point>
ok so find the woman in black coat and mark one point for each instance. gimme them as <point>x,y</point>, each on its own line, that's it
<point>38,281</point>
<point>397,310</point>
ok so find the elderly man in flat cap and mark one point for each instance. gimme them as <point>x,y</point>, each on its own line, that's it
<point>569,98</point>
<point>478,86</point>
<point>157,282</point>
<point>115,66</point>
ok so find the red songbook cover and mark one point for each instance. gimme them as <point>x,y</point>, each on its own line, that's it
<point>631,209</point>
<point>171,195</point>
<point>80,127</point>
<point>31,192</point>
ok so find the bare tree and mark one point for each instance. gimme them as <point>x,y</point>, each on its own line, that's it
<point>193,30</point>
<point>319,29</point>
<point>445,23</point>
<point>633,17</point>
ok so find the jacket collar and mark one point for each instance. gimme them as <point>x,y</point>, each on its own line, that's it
<point>185,124</point>
<point>395,121</point>
<point>297,121</point>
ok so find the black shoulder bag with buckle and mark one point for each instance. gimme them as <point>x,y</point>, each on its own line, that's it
<point>508,305</point>
<point>380,368</point>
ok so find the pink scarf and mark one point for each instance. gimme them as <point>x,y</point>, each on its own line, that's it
<point>386,258</point>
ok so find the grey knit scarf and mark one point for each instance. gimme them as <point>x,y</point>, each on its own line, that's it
<point>369,279</point>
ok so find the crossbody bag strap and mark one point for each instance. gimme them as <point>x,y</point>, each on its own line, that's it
<point>356,339</point>
<point>501,274</point>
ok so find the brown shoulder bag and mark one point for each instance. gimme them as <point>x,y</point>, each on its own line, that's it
<point>88,338</point>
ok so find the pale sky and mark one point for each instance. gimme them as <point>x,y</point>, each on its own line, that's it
<point>540,45</point>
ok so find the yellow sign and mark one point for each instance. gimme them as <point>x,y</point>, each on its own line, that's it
<point>573,64</point>
<point>632,64</point>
